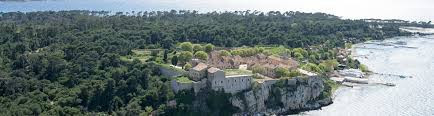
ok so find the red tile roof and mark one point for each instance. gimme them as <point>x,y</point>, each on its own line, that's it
<point>213,70</point>
<point>200,66</point>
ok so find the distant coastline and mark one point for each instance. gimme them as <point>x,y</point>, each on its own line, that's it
<point>22,0</point>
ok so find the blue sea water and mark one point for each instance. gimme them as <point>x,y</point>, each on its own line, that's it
<point>410,97</point>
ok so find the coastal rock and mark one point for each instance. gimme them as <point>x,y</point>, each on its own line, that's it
<point>356,73</point>
<point>282,97</point>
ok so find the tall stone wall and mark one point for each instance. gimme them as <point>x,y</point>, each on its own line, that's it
<point>217,74</point>
<point>196,86</point>
<point>177,86</point>
<point>232,84</point>
<point>169,72</point>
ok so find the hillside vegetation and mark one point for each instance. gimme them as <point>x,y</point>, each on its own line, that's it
<point>69,62</point>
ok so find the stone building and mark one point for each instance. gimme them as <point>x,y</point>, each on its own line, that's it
<point>211,75</point>
<point>232,84</point>
<point>195,85</point>
<point>215,72</point>
<point>198,72</point>
<point>203,76</point>
<point>269,63</point>
<point>229,84</point>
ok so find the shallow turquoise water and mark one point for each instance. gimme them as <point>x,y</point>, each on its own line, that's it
<point>410,97</point>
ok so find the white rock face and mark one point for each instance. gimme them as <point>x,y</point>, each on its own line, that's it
<point>295,95</point>
<point>356,73</point>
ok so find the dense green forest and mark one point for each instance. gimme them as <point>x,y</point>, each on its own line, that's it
<point>68,62</point>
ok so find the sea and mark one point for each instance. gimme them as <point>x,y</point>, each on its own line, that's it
<point>407,62</point>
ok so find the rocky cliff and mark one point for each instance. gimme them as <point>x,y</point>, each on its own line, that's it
<point>283,96</point>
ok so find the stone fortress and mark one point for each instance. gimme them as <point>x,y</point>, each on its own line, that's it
<point>269,63</point>
<point>213,72</point>
<point>203,75</point>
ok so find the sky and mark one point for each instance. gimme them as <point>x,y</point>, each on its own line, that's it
<point>413,10</point>
<point>354,9</point>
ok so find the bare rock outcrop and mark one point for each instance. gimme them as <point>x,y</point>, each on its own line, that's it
<point>282,97</point>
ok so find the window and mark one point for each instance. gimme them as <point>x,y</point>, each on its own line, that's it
<point>235,80</point>
<point>222,81</point>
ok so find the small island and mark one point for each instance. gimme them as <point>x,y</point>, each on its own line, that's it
<point>179,62</point>
<point>245,72</point>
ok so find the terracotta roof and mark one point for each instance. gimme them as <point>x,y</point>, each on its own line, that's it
<point>213,70</point>
<point>200,66</point>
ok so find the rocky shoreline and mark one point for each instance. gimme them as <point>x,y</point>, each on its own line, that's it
<point>288,96</point>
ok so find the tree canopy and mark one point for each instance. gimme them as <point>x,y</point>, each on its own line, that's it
<point>70,62</point>
<point>209,48</point>
<point>187,46</point>
<point>185,56</point>
<point>224,53</point>
<point>197,47</point>
<point>201,55</point>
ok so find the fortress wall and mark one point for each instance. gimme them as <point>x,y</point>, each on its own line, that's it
<point>177,86</point>
<point>232,84</point>
<point>197,86</point>
<point>170,72</point>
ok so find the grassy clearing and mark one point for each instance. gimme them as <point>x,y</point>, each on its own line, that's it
<point>145,54</point>
<point>183,80</point>
<point>141,54</point>
<point>131,58</point>
<point>229,72</point>
<point>276,50</point>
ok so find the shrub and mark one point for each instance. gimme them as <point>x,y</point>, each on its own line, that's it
<point>187,66</point>
<point>224,53</point>
<point>258,69</point>
<point>298,56</point>
<point>185,56</point>
<point>311,67</point>
<point>328,65</point>
<point>187,46</point>
<point>281,72</point>
<point>209,48</point>
<point>294,73</point>
<point>197,47</point>
<point>201,55</point>
<point>364,68</point>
